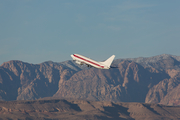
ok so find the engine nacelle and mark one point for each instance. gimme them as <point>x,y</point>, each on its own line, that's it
<point>89,66</point>
<point>78,62</point>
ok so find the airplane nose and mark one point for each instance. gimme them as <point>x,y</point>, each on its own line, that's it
<point>72,55</point>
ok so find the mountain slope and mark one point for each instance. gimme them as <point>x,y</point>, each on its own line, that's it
<point>24,81</point>
<point>129,83</point>
<point>151,80</point>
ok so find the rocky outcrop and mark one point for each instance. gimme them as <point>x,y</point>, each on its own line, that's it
<point>166,91</point>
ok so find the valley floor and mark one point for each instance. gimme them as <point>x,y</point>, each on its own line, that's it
<point>61,109</point>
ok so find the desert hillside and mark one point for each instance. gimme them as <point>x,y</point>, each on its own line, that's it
<point>61,109</point>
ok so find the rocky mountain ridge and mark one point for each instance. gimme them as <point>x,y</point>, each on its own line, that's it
<point>151,80</point>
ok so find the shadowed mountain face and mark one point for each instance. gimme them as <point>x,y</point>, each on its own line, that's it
<point>151,80</point>
<point>23,81</point>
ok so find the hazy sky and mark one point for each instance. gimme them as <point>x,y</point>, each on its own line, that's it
<point>36,31</point>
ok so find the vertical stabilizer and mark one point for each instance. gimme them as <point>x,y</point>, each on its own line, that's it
<point>108,61</point>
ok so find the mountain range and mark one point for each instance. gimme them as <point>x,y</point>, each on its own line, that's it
<point>149,80</point>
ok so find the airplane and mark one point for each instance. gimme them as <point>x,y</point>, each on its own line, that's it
<point>79,59</point>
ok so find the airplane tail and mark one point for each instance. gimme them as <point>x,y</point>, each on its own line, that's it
<point>109,61</point>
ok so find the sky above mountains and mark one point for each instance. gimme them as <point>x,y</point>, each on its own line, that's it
<point>37,31</point>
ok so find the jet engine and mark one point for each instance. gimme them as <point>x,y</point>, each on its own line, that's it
<point>89,66</point>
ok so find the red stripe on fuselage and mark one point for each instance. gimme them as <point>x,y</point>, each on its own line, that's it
<point>89,61</point>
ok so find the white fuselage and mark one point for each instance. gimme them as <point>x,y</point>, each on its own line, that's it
<point>84,60</point>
